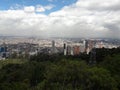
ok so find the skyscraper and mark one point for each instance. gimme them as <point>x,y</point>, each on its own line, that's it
<point>53,46</point>
<point>65,49</point>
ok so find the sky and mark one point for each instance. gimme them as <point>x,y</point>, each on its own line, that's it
<point>60,18</point>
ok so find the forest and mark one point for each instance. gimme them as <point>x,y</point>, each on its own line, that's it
<point>58,72</point>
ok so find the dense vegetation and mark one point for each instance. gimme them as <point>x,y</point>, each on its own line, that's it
<point>57,72</point>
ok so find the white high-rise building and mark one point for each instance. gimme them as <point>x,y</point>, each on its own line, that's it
<point>65,49</point>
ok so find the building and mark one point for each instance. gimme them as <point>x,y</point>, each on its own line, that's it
<point>53,47</point>
<point>3,53</point>
<point>76,50</point>
<point>69,50</point>
<point>65,49</point>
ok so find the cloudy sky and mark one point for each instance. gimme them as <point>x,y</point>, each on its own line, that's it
<point>60,18</point>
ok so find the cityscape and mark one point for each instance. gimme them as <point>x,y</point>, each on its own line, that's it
<point>59,44</point>
<point>22,46</point>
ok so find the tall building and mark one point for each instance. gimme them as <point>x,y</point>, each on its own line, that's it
<point>53,46</point>
<point>86,45</point>
<point>69,50</point>
<point>65,49</point>
<point>3,52</point>
<point>91,45</point>
<point>101,45</point>
<point>82,48</point>
<point>76,50</point>
<point>72,53</point>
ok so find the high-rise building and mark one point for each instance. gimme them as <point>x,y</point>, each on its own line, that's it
<point>65,49</point>
<point>82,48</point>
<point>3,52</point>
<point>72,53</point>
<point>53,46</point>
<point>101,45</point>
<point>86,45</point>
<point>91,45</point>
<point>69,50</point>
<point>76,50</point>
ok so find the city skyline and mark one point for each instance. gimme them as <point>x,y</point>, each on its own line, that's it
<point>60,18</point>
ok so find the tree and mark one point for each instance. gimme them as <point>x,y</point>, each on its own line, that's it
<point>77,75</point>
<point>112,63</point>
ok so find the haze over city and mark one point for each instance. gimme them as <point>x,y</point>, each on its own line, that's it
<point>60,18</point>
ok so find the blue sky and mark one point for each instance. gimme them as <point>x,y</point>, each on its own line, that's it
<point>58,4</point>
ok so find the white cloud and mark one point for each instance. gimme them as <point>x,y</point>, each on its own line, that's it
<point>48,7</point>
<point>85,18</point>
<point>99,4</point>
<point>40,8</point>
<point>29,9</point>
